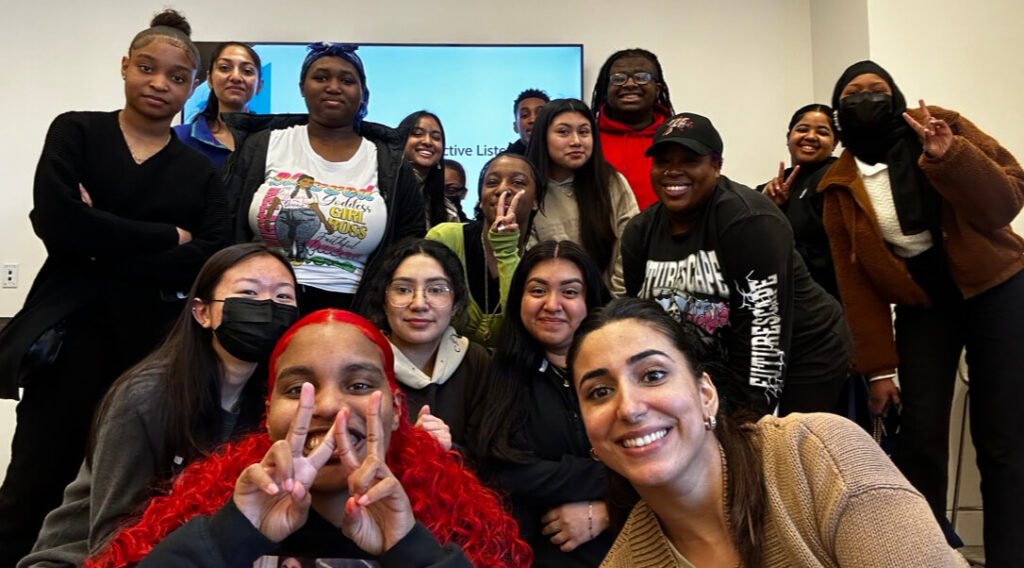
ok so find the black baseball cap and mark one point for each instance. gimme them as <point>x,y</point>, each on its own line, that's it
<point>690,130</point>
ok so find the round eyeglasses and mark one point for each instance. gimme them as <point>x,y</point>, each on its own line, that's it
<point>640,78</point>
<point>400,295</point>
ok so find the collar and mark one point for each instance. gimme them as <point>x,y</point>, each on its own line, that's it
<point>450,353</point>
<point>201,131</point>
<point>868,170</point>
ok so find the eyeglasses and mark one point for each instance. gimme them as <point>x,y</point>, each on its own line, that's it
<point>436,295</point>
<point>640,78</point>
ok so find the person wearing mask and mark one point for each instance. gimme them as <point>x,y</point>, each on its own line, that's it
<point>631,101</point>
<point>455,186</point>
<point>918,210</point>
<point>525,109</point>
<point>128,215</point>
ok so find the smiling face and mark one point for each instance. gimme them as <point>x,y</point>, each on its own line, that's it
<point>505,176</point>
<point>425,145</point>
<point>234,78</point>
<point>632,99</point>
<point>570,144</point>
<point>643,408</point>
<point>342,377</point>
<point>526,114</point>
<point>683,181</point>
<point>811,140</point>
<point>158,79</point>
<point>420,323</point>
<point>554,304</point>
<point>332,92</point>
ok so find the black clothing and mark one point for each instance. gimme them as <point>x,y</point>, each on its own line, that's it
<point>516,147</point>
<point>476,265</point>
<point>228,540</point>
<point>736,275</point>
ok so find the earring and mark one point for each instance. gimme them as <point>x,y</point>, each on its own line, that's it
<point>710,423</point>
<point>593,455</point>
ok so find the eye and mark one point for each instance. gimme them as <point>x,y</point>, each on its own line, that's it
<point>585,131</point>
<point>571,292</point>
<point>286,298</point>
<point>536,291</point>
<point>179,78</point>
<point>435,136</point>
<point>249,71</point>
<point>145,68</point>
<point>292,391</point>
<point>246,292</point>
<point>224,67</point>
<point>598,392</point>
<point>652,376</point>
<point>438,289</point>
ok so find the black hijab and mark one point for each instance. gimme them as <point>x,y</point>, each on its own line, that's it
<point>918,205</point>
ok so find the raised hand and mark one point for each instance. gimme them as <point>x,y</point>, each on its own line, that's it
<point>935,134</point>
<point>274,494</point>
<point>435,427</point>
<point>573,524</point>
<point>778,188</point>
<point>378,513</point>
<point>505,214</point>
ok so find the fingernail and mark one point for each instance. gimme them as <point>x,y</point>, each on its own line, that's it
<point>272,489</point>
<point>363,500</point>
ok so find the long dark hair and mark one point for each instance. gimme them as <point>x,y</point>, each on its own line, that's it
<point>189,368</point>
<point>433,184</point>
<point>591,182</point>
<point>382,270</point>
<point>519,354</point>
<point>600,94</point>
<point>212,109</point>
<point>746,499</point>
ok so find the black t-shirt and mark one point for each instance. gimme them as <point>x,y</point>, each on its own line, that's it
<point>736,276</point>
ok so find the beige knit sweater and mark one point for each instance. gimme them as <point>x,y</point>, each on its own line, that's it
<point>834,499</point>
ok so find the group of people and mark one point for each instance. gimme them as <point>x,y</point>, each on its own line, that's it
<point>622,357</point>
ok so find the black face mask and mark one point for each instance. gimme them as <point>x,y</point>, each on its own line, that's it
<point>249,328</point>
<point>864,122</point>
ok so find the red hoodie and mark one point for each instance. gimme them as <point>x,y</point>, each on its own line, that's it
<point>624,149</point>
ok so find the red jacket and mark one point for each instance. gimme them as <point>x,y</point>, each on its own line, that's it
<point>624,149</point>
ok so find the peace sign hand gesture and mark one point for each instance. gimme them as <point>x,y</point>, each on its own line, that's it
<point>505,217</point>
<point>378,513</point>
<point>274,494</point>
<point>935,134</point>
<point>777,189</point>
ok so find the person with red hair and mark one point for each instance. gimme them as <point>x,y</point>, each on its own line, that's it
<point>340,473</point>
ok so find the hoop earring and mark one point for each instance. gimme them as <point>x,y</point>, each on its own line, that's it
<point>710,423</point>
<point>593,455</point>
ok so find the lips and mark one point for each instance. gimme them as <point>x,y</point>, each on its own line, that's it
<point>314,439</point>
<point>640,440</point>
<point>418,323</point>
<point>154,100</point>
<point>676,189</point>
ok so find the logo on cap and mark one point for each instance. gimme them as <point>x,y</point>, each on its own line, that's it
<point>679,123</point>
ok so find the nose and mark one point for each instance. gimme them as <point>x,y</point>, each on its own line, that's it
<point>419,299</point>
<point>631,407</point>
<point>158,82</point>
<point>574,139</point>
<point>551,302</point>
<point>328,402</point>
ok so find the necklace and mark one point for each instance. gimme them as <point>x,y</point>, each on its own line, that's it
<point>139,149</point>
<point>489,314</point>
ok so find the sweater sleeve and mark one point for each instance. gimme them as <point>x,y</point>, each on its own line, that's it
<point>506,252</point>
<point>58,204</point>
<point>624,208</point>
<point>410,219</point>
<point>977,176</point>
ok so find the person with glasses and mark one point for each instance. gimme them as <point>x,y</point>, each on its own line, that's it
<point>630,102</point>
<point>455,186</point>
<point>412,294</point>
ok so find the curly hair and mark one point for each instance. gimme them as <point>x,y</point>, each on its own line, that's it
<point>446,497</point>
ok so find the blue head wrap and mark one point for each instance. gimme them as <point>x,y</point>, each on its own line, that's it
<point>346,51</point>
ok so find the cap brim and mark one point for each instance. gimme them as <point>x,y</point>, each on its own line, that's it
<point>694,145</point>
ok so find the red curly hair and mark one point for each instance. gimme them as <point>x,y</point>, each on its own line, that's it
<point>446,497</point>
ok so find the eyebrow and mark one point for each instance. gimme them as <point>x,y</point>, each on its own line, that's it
<point>413,280</point>
<point>631,361</point>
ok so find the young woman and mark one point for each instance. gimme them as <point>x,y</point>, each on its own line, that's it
<point>721,255</point>
<point>128,215</point>
<point>810,140</point>
<point>424,149</point>
<point>918,212</point>
<point>587,201</point>
<point>328,189</point>
<point>631,101</point>
<point>178,403</point>
<point>807,490</point>
<point>528,433</point>
<point>302,490</point>
<point>455,186</point>
<point>490,245</point>
<point>412,295</point>
<point>234,77</point>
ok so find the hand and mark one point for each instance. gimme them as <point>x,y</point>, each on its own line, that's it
<point>183,236</point>
<point>778,188</point>
<point>378,513</point>
<point>274,494</point>
<point>86,198</point>
<point>505,217</point>
<point>882,391</point>
<point>573,524</point>
<point>435,427</point>
<point>936,136</point>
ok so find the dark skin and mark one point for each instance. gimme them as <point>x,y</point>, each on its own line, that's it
<point>632,104</point>
<point>333,93</point>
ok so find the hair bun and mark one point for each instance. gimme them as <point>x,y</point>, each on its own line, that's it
<point>172,19</point>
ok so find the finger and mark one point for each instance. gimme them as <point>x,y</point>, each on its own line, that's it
<point>569,545</point>
<point>374,430</point>
<point>914,124</point>
<point>279,464</point>
<point>511,212</point>
<point>256,475</point>
<point>424,410</point>
<point>925,112</point>
<point>500,211</point>
<point>322,454</point>
<point>300,425</point>
<point>895,396</point>
<point>782,171</point>
<point>550,516</point>
<point>346,453</point>
<point>384,489</point>
<point>368,474</point>
<point>792,176</point>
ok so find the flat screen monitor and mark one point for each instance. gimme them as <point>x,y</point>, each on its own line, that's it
<point>470,87</point>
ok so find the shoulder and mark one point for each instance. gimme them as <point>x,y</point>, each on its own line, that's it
<point>446,233</point>
<point>137,394</point>
<point>83,122</point>
<point>641,542</point>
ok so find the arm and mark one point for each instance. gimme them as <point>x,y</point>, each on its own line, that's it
<point>506,252</point>
<point>624,207</point>
<point>225,540</point>
<point>550,483</point>
<point>65,223</point>
<point>410,218</point>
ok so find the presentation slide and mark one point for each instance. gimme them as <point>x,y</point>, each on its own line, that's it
<point>470,87</point>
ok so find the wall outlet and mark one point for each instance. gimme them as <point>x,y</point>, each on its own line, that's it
<point>10,275</point>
